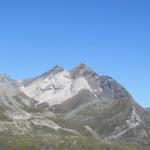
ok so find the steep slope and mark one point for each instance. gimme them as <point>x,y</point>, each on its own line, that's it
<point>110,110</point>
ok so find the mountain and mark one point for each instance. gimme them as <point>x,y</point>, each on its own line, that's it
<point>76,109</point>
<point>148,109</point>
<point>148,112</point>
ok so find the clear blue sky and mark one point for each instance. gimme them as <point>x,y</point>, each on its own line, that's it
<point>110,36</point>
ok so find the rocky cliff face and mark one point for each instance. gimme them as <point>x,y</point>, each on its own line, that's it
<point>73,103</point>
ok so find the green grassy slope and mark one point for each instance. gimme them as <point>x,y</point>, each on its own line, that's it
<point>54,142</point>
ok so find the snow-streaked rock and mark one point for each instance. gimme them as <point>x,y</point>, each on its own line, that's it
<point>55,90</point>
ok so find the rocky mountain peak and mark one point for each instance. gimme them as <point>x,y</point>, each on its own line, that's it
<point>4,78</point>
<point>57,67</point>
<point>54,70</point>
<point>82,65</point>
<point>82,70</point>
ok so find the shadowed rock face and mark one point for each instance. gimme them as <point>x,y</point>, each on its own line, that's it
<point>73,103</point>
<point>77,102</point>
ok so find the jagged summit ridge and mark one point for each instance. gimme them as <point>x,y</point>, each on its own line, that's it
<point>54,70</point>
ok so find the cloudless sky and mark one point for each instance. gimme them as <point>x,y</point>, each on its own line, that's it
<point>110,36</point>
